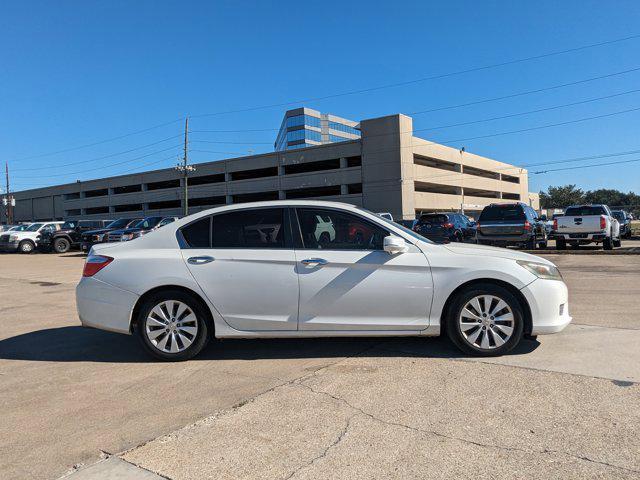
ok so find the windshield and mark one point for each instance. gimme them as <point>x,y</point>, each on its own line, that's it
<point>584,211</point>
<point>618,215</point>
<point>19,228</point>
<point>397,225</point>
<point>434,218</point>
<point>120,223</point>
<point>501,212</point>
<point>34,227</point>
<point>148,222</point>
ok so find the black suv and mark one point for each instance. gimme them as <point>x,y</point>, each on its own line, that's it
<point>446,227</point>
<point>625,222</point>
<point>504,224</point>
<point>92,237</point>
<point>69,236</point>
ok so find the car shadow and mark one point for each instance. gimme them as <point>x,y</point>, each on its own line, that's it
<point>80,344</point>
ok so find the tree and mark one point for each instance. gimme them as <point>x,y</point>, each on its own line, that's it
<point>561,197</point>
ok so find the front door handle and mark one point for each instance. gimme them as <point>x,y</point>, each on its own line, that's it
<point>314,261</point>
<point>200,260</point>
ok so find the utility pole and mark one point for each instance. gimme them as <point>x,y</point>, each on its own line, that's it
<point>185,168</point>
<point>8,201</point>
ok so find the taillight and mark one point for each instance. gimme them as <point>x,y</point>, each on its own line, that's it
<point>603,222</point>
<point>448,225</point>
<point>478,226</point>
<point>94,264</point>
<point>555,224</point>
<point>527,226</point>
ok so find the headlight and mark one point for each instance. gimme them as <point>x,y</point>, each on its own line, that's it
<point>13,238</point>
<point>98,238</point>
<point>126,237</point>
<point>541,270</point>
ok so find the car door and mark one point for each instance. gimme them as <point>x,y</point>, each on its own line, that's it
<point>244,262</point>
<point>350,282</point>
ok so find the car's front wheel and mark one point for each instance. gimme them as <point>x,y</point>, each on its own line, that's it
<point>26,246</point>
<point>172,325</point>
<point>61,245</point>
<point>485,320</point>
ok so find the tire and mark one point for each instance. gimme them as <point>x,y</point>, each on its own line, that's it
<point>607,244</point>
<point>462,329</point>
<point>26,246</point>
<point>457,237</point>
<point>561,244</point>
<point>531,244</point>
<point>543,245</point>
<point>61,245</point>
<point>176,331</point>
<point>617,243</point>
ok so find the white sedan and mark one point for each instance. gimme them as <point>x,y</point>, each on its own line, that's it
<point>265,270</point>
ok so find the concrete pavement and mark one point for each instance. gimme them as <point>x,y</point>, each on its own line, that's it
<point>565,406</point>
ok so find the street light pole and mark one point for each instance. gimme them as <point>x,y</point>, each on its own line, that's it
<point>185,168</point>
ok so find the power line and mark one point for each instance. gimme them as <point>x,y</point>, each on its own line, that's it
<point>97,158</point>
<point>112,139</point>
<point>103,166</point>
<point>423,79</point>
<point>586,166</point>
<point>232,143</point>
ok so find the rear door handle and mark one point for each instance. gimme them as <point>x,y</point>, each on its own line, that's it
<point>199,260</point>
<point>314,261</point>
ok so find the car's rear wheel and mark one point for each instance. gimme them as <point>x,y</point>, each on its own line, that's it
<point>485,320</point>
<point>172,325</point>
<point>607,244</point>
<point>61,245</point>
<point>26,246</point>
<point>561,244</point>
<point>617,242</point>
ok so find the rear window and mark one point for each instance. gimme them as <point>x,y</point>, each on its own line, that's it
<point>260,228</point>
<point>434,218</point>
<point>584,210</point>
<point>502,212</point>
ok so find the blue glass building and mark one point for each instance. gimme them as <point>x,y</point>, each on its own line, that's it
<point>305,127</point>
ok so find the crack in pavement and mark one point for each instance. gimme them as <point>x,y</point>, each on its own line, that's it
<point>460,439</point>
<point>325,452</point>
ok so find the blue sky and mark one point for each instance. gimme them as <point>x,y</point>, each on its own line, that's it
<point>75,73</point>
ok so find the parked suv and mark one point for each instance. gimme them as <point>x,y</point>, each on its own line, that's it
<point>625,222</point>
<point>504,224</point>
<point>69,236</point>
<point>26,240</point>
<point>142,227</point>
<point>92,237</point>
<point>445,227</point>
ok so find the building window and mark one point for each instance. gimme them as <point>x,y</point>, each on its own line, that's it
<point>511,196</point>
<point>255,173</point>
<point>312,166</point>
<point>354,188</point>
<point>207,201</point>
<point>165,204</point>
<point>206,179</point>
<point>164,184</point>
<point>129,207</point>
<point>509,178</point>
<point>478,172</point>
<point>96,193</point>
<point>96,210</point>
<point>335,139</point>
<point>341,127</point>
<point>72,196</point>
<point>127,189</point>
<point>313,192</point>
<point>436,188</point>
<point>476,192</point>
<point>254,197</point>
<point>436,163</point>
<point>354,161</point>
<point>72,213</point>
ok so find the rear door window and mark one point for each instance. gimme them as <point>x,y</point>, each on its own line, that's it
<point>198,233</point>
<point>259,228</point>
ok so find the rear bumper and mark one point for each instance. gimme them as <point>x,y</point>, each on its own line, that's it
<point>504,239</point>
<point>581,237</point>
<point>549,304</point>
<point>101,305</point>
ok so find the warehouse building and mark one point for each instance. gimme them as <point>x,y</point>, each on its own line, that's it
<point>387,169</point>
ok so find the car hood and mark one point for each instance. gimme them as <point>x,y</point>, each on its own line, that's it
<point>130,230</point>
<point>97,232</point>
<point>486,251</point>
<point>23,234</point>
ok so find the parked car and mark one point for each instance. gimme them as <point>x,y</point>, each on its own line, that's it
<point>408,223</point>
<point>207,275</point>
<point>506,224</point>
<point>92,237</point>
<point>624,219</point>
<point>69,236</point>
<point>143,227</point>
<point>446,227</point>
<point>27,240</point>
<point>585,224</point>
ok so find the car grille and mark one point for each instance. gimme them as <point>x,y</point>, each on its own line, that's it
<point>4,238</point>
<point>114,237</point>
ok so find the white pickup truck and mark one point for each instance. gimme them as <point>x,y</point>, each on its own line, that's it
<point>584,224</point>
<point>25,241</point>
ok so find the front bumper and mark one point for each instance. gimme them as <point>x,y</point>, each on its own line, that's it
<point>9,246</point>
<point>104,306</point>
<point>549,304</point>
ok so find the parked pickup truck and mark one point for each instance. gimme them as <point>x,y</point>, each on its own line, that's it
<point>26,240</point>
<point>584,224</point>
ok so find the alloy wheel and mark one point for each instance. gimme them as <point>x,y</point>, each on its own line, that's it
<point>171,326</point>
<point>486,322</point>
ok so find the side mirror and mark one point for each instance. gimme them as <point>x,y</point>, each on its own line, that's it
<point>393,245</point>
